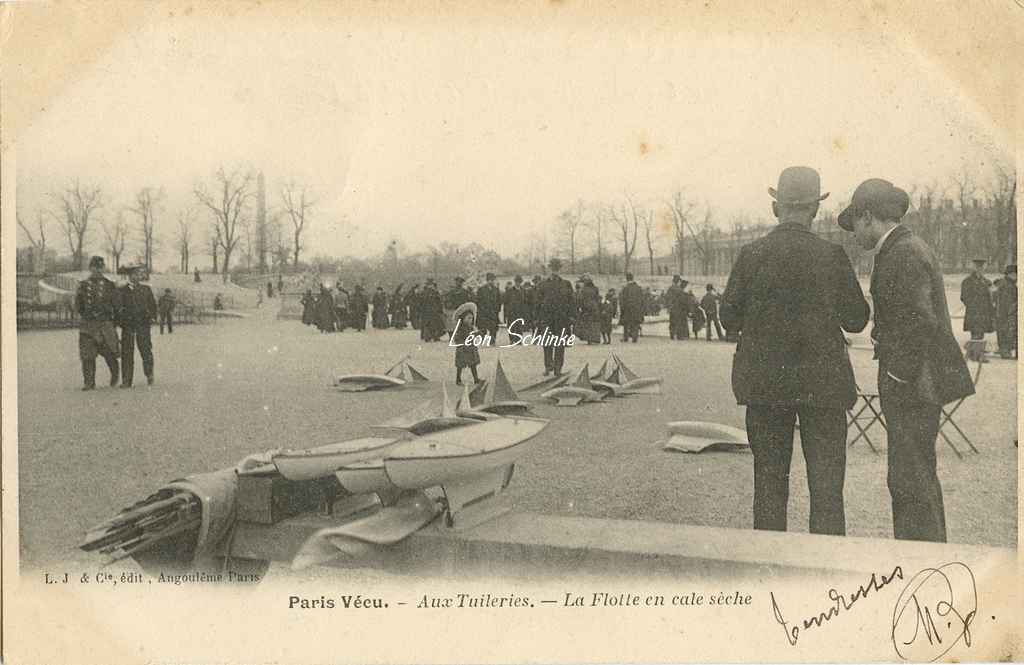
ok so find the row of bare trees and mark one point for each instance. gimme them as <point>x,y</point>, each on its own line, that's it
<point>625,222</point>
<point>234,203</point>
<point>962,219</point>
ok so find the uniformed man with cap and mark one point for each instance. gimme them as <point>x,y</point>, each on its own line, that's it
<point>98,306</point>
<point>138,311</point>
<point>488,302</point>
<point>976,295</point>
<point>556,312</point>
<point>920,365</point>
<point>790,296</point>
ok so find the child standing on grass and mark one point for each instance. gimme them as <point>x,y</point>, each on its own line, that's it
<point>466,355</point>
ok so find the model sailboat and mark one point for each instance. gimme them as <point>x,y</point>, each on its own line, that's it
<point>575,391</point>
<point>400,374</point>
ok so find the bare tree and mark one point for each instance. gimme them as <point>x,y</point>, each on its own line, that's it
<point>115,237</point>
<point>1005,204</point>
<point>965,188</point>
<point>571,220</point>
<point>213,240</point>
<point>77,205</point>
<point>38,241</point>
<point>297,204</point>
<point>147,200</point>
<point>681,210</point>
<point>650,233</point>
<point>627,220</point>
<point>184,238</point>
<point>228,202</point>
<point>597,223</point>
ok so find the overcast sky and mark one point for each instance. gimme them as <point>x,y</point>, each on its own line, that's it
<point>480,131</point>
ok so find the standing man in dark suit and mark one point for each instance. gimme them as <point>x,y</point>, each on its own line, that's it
<point>556,311</point>
<point>678,328</point>
<point>631,309</point>
<point>98,303</point>
<point>976,295</point>
<point>790,297</point>
<point>138,310</point>
<point>920,365</point>
<point>515,305</point>
<point>166,306</point>
<point>709,303</point>
<point>488,302</point>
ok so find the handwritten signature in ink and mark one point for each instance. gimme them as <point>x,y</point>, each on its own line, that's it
<point>934,612</point>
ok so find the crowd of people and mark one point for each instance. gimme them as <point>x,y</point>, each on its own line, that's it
<point>425,308</point>
<point>991,307</point>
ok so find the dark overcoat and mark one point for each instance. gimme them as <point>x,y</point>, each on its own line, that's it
<point>976,296</point>
<point>791,295</point>
<point>912,329</point>
<point>556,304</point>
<point>631,304</point>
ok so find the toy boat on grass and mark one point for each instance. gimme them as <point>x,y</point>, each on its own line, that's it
<point>494,395</point>
<point>321,461</point>
<point>575,391</point>
<point>469,463</point>
<point>690,436</point>
<point>430,416</point>
<point>400,374</point>
<point>621,380</point>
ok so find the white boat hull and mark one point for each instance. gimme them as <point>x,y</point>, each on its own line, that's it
<point>323,461</point>
<point>352,383</point>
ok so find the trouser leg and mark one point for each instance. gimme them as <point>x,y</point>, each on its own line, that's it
<point>770,432</point>
<point>918,512</point>
<point>718,329</point>
<point>558,359</point>
<point>145,344</point>
<point>170,322</point>
<point>823,441</point>
<point>127,356</point>
<point>549,362</point>
<point>87,350</point>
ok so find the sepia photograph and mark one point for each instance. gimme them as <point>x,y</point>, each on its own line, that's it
<point>510,332</point>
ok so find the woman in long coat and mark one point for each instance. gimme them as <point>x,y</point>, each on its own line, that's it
<point>589,302</point>
<point>380,308</point>
<point>308,308</point>
<point>325,310</point>
<point>399,310</point>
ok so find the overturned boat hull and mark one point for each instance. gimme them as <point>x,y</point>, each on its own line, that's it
<point>323,461</point>
<point>354,383</point>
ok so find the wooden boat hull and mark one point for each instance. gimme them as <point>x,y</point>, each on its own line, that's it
<point>695,436</point>
<point>352,383</point>
<point>572,395</point>
<point>452,455</point>
<point>323,461</point>
<point>364,477</point>
<point>461,453</point>
<point>641,387</point>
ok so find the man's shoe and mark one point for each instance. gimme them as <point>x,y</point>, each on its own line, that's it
<point>126,385</point>
<point>149,379</point>
<point>547,372</point>
<point>89,387</point>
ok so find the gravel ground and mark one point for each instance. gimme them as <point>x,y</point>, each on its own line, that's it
<point>235,387</point>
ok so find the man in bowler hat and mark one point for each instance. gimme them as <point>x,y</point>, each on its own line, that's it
<point>790,297</point>
<point>556,312</point>
<point>920,365</point>
<point>138,311</point>
<point>976,295</point>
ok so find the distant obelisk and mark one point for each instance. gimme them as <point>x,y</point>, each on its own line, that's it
<point>261,223</point>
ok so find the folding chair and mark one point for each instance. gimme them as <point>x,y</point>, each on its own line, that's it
<point>947,418</point>
<point>868,402</point>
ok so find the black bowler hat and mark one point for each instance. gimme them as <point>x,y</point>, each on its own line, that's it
<point>519,279</point>
<point>979,261</point>
<point>96,261</point>
<point>460,280</point>
<point>489,275</point>
<point>555,264</point>
<point>880,197</point>
<point>1011,269</point>
<point>798,185</point>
